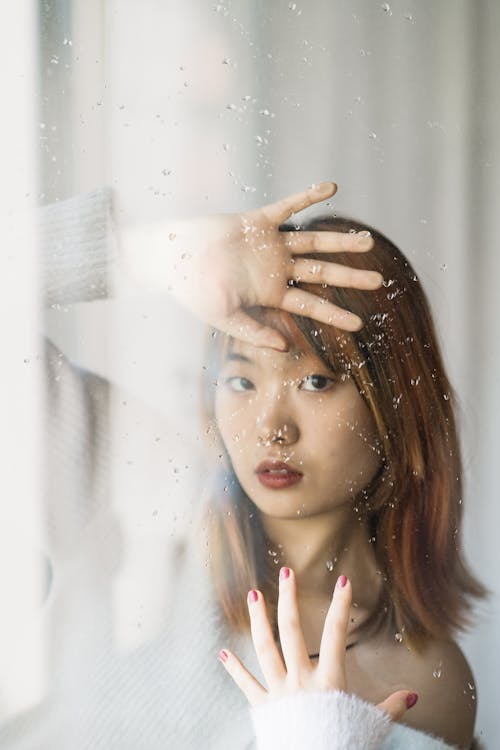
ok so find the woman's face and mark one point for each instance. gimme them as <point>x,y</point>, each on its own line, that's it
<point>300,440</point>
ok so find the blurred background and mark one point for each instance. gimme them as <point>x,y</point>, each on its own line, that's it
<point>186,108</point>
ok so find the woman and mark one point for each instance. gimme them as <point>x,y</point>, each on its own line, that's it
<point>169,693</point>
<point>345,449</point>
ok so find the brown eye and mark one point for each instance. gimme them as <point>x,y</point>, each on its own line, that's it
<point>316,383</point>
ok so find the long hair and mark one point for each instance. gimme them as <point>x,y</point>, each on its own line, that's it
<point>413,505</point>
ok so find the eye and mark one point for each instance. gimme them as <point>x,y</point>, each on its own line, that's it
<point>316,383</point>
<point>238,384</point>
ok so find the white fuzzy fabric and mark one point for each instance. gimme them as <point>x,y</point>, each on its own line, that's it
<point>328,720</point>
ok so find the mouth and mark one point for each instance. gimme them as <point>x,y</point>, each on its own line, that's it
<point>277,475</point>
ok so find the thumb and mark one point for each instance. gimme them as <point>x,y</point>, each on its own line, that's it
<point>398,703</point>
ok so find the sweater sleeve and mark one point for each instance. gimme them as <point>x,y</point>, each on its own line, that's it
<point>77,248</point>
<point>324,720</point>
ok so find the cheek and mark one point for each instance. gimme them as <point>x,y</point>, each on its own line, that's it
<point>361,442</point>
<point>347,431</point>
<point>231,417</point>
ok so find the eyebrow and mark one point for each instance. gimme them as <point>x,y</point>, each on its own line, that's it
<point>235,357</point>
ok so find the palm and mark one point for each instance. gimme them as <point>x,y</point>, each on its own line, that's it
<point>250,263</point>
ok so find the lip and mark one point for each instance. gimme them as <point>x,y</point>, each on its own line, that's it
<point>277,475</point>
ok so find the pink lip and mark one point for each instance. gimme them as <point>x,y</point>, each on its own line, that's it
<point>277,475</point>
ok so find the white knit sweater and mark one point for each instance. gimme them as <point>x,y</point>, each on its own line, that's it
<point>172,692</point>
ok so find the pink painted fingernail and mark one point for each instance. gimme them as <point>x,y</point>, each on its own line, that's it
<point>223,655</point>
<point>252,596</point>
<point>284,573</point>
<point>411,699</point>
<point>341,582</point>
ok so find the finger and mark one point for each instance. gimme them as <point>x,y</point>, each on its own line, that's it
<point>397,704</point>
<point>292,640</point>
<point>328,242</point>
<point>334,274</point>
<point>243,327</point>
<point>251,687</point>
<point>266,649</point>
<point>310,305</point>
<point>285,207</point>
<point>331,664</point>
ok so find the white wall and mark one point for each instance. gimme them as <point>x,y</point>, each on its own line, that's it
<point>22,643</point>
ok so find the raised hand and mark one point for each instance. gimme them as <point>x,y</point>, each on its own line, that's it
<point>298,672</point>
<point>218,265</point>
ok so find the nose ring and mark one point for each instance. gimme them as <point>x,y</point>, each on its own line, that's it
<point>276,437</point>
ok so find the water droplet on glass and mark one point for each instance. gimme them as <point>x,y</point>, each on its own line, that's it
<point>398,637</point>
<point>387,8</point>
<point>226,61</point>
<point>443,267</point>
<point>393,294</point>
<point>172,236</point>
<point>373,136</point>
<point>437,673</point>
<point>415,381</point>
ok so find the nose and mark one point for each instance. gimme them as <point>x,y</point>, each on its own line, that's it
<point>275,427</point>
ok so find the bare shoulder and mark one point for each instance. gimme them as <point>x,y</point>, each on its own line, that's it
<point>445,685</point>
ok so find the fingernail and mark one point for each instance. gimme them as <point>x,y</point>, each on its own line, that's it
<point>365,242</point>
<point>341,582</point>
<point>279,346</point>
<point>252,596</point>
<point>284,573</point>
<point>377,278</point>
<point>223,655</point>
<point>411,699</point>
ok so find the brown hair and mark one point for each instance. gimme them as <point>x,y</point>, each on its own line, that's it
<point>414,503</point>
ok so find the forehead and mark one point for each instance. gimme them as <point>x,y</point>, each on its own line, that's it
<point>241,351</point>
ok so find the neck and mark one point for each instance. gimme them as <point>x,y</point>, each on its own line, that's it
<point>322,547</point>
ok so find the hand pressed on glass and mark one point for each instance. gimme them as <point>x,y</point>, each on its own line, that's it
<point>220,266</point>
<point>298,672</point>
